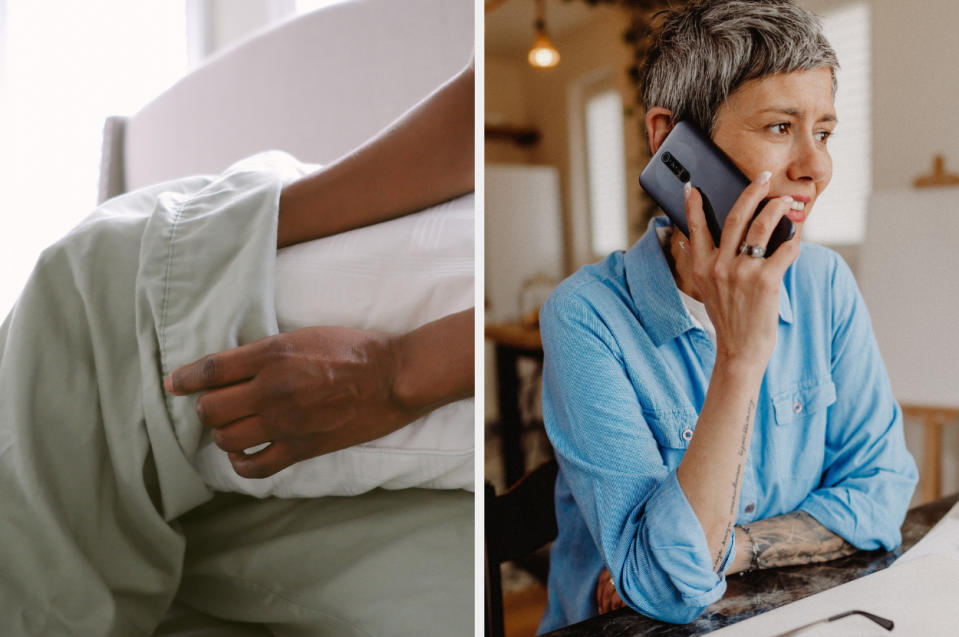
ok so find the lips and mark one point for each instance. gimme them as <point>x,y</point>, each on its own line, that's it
<point>797,209</point>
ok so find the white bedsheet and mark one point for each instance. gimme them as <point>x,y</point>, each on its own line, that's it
<point>393,276</point>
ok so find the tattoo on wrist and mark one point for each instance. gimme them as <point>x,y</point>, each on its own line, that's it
<point>794,538</point>
<point>753,549</point>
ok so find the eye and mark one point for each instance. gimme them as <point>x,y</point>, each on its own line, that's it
<point>780,128</point>
<point>823,136</point>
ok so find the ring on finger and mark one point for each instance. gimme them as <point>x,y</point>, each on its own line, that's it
<point>756,252</point>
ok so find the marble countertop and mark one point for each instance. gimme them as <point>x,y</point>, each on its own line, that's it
<point>756,592</point>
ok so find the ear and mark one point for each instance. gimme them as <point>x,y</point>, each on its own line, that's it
<point>659,121</point>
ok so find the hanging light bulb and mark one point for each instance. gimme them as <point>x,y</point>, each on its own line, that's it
<point>543,55</point>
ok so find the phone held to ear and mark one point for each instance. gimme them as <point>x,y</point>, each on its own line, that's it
<point>687,154</point>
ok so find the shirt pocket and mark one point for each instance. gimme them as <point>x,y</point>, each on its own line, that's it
<point>800,413</point>
<point>672,429</point>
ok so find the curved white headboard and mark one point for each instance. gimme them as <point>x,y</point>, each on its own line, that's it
<point>316,86</point>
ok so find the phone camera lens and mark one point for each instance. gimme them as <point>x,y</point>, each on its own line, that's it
<point>667,158</point>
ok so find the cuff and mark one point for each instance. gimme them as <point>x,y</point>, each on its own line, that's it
<point>677,545</point>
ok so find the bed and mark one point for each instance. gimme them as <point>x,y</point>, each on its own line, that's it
<point>316,87</point>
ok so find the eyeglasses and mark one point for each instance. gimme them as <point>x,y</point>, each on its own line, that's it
<point>885,623</point>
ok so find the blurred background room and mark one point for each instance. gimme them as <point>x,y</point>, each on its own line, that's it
<point>564,149</point>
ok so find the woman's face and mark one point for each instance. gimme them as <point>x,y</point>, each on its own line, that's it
<point>781,123</point>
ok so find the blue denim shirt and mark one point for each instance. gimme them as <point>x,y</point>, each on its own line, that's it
<point>625,376</point>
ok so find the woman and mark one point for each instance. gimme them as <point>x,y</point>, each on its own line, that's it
<point>713,412</point>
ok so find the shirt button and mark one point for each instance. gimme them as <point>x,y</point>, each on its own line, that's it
<point>687,434</point>
<point>750,507</point>
<point>797,407</point>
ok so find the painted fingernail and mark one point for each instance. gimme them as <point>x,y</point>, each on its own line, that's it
<point>687,188</point>
<point>764,176</point>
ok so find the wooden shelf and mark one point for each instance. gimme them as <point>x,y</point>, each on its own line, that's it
<point>521,135</point>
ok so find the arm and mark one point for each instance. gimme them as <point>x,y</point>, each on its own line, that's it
<point>784,540</point>
<point>741,295</point>
<point>423,158</point>
<point>317,390</point>
<point>640,521</point>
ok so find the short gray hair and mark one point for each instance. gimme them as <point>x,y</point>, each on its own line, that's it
<point>700,54</point>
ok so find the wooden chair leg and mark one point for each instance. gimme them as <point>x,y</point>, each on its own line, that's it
<point>932,458</point>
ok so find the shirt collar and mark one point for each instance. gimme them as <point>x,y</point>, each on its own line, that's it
<point>655,295</point>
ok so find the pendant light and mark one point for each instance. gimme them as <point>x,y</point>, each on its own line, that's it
<point>543,55</point>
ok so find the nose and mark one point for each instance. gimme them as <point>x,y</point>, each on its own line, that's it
<point>810,161</point>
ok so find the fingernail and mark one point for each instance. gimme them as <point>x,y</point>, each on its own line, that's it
<point>764,176</point>
<point>787,198</point>
<point>683,246</point>
<point>687,188</point>
<point>168,383</point>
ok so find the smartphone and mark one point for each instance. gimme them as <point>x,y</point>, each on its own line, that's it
<point>687,154</point>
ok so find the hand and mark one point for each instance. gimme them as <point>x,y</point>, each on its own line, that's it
<point>607,599</point>
<point>308,392</point>
<point>741,293</point>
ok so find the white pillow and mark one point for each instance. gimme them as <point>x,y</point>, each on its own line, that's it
<point>392,276</point>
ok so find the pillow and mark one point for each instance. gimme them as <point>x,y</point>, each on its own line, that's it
<point>393,276</point>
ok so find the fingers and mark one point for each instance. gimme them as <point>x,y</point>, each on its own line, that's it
<point>242,434</point>
<point>761,231</point>
<point>601,592</point>
<point>700,239</point>
<point>265,463</point>
<point>784,256</point>
<point>261,464</point>
<point>606,595</point>
<point>762,227</point>
<point>222,368</point>
<point>225,405</point>
<point>734,228</point>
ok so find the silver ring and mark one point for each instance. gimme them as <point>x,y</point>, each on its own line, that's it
<point>756,252</point>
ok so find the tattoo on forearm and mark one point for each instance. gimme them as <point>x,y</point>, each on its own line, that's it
<point>727,534</point>
<point>721,553</point>
<point>746,423</point>
<point>795,538</point>
<point>734,499</point>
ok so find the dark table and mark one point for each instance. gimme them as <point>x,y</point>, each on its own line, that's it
<point>756,592</point>
<point>513,341</point>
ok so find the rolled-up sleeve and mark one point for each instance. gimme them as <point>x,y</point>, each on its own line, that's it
<point>635,510</point>
<point>869,475</point>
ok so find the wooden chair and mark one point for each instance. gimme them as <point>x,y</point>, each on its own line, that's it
<point>518,522</point>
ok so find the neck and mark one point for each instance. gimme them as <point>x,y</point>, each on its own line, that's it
<point>681,264</point>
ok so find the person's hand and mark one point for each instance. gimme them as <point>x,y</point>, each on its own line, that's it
<point>741,292</point>
<point>607,599</point>
<point>308,392</point>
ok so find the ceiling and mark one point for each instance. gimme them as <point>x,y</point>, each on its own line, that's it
<point>509,26</point>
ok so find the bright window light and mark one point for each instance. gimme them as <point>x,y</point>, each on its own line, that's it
<point>839,217</point>
<point>606,171</point>
<point>59,84</point>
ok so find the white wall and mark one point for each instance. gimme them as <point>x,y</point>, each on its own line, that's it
<point>916,89</point>
<point>915,116</point>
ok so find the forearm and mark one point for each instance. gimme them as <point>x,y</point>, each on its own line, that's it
<point>786,540</point>
<point>434,363</point>
<point>423,158</point>
<point>710,473</point>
